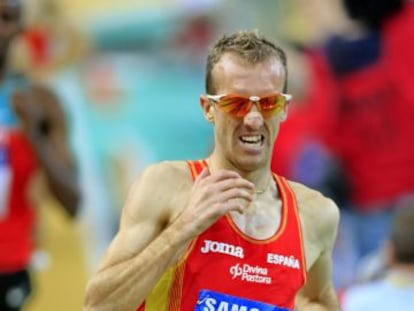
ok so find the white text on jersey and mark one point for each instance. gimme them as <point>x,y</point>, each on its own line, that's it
<point>223,248</point>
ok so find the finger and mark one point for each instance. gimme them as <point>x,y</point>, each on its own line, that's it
<point>235,193</point>
<point>223,174</point>
<point>203,175</point>
<point>216,176</point>
<point>236,205</point>
<point>230,183</point>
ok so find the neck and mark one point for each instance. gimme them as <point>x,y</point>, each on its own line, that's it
<point>260,176</point>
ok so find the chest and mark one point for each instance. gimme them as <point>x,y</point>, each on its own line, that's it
<point>260,221</point>
<point>223,259</point>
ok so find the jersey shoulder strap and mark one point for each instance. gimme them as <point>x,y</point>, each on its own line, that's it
<point>196,167</point>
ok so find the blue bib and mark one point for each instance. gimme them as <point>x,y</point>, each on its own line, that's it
<point>213,301</point>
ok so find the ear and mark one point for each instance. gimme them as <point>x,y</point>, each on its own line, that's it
<point>207,107</point>
<point>283,114</point>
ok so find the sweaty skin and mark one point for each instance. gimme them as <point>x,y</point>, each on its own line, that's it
<point>165,210</point>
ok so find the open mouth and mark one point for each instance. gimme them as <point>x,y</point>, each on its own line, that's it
<point>252,140</point>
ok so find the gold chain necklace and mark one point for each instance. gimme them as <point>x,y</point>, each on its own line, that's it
<point>259,192</point>
<point>256,192</point>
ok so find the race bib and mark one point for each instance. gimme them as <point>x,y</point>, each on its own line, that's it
<point>213,301</point>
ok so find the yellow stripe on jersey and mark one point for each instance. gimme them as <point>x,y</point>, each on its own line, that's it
<point>167,293</point>
<point>158,300</point>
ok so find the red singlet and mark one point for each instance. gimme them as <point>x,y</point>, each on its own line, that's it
<point>226,261</point>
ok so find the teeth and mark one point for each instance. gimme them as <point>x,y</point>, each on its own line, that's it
<point>251,139</point>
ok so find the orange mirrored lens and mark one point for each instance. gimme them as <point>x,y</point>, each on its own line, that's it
<point>235,105</point>
<point>272,105</point>
<point>239,106</point>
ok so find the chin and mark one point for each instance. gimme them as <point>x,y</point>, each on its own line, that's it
<point>250,164</point>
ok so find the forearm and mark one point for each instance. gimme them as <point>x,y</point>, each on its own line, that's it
<point>125,285</point>
<point>314,306</point>
<point>326,302</point>
<point>44,123</point>
<point>61,174</point>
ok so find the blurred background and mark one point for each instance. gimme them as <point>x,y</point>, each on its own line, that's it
<point>129,73</point>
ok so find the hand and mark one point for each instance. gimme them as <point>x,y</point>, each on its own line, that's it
<point>212,196</point>
<point>29,114</point>
<point>39,112</point>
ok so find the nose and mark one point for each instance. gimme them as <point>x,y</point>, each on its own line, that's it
<point>254,118</point>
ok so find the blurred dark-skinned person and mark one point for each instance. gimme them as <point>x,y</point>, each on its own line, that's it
<point>395,290</point>
<point>34,153</point>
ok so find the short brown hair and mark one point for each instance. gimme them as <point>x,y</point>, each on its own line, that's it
<point>402,234</point>
<point>250,46</point>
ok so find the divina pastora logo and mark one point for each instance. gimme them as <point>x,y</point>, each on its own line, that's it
<point>251,274</point>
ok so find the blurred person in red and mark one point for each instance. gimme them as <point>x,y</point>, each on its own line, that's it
<point>395,290</point>
<point>368,69</point>
<point>33,150</point>
<point>303,151</point>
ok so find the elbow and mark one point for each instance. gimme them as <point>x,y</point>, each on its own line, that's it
<point>91,307</point>
<point>72,204</point>
<point>69,199</point>
<point>91,301</point>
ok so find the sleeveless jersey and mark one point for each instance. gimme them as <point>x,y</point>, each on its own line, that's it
<point>224,269</point>
<point>17,214</point>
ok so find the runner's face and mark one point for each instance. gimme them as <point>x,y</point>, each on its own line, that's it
<point>247,142</point>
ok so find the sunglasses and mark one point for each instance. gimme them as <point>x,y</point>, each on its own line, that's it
<point>238,105</point>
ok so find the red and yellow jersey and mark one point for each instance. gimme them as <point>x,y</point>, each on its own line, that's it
<point>224,269</point>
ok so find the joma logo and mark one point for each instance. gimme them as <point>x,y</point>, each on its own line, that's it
<point>222,248</point>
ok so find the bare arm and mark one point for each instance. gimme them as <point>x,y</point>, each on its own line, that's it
<point>44,124</point>
<point>152,237</point>
<point>319,294</point>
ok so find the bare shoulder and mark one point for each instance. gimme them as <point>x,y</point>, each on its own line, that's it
<point>319,214</point>
<point>171,173</point>
<point>159,190</point>
<point>152,201</point>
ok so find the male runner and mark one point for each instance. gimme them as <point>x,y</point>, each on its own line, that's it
<point>224,233</point>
